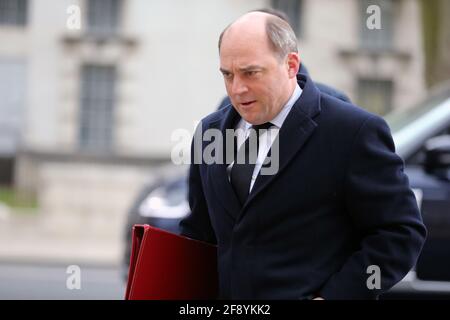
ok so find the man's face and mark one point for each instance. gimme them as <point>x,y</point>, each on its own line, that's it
<point>256,81</point>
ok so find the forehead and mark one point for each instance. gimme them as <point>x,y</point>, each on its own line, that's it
<point>245,49</point>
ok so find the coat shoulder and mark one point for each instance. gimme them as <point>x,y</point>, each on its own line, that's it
<point>216,116</point>
<point>344,114</point>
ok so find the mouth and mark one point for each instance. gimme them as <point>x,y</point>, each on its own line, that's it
<point>248,103</point>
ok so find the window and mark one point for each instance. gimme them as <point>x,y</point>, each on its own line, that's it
<point>97,108</point>
<point>377,39</point>
<point>13,12</point>
<point>103,16</point>
<point>12,103</point>
<point>375,95</point>
<point>293,9</point>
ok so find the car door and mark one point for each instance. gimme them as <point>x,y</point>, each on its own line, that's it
<point>433,193</point>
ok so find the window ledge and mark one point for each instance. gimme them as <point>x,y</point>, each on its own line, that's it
<point>375,53</point>
<point>100,39</point>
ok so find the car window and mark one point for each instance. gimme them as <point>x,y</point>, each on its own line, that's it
<point>418,158</point>
<point>412,127</point>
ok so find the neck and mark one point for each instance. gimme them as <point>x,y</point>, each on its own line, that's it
<point>291,84</point>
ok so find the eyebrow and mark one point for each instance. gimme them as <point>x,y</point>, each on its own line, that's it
<point>244,69</point>
<point>250,68</point>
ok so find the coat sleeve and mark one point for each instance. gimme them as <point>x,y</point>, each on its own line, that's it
<point>197,224</point>
<point>384,212</point>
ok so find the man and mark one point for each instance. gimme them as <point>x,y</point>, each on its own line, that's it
<point>339,205</point>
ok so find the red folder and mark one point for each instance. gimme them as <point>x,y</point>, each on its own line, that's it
<point>166,266</point>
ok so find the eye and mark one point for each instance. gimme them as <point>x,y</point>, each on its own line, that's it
<point>251,73</point>
<point>227,75</point>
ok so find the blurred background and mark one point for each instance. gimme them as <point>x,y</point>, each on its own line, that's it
<point>92,90</point>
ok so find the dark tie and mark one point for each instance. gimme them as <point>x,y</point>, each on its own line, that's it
<point>242,171</point>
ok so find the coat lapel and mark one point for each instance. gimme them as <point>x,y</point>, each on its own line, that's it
<point>297,128</point>
<point>217,173</point>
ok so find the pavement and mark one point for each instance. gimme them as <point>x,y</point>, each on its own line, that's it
<point>30,237</point>
<point>54,282</point>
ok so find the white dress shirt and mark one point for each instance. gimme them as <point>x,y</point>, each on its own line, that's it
<point>267,138</point>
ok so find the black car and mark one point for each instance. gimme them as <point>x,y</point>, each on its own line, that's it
<point>422,138</point>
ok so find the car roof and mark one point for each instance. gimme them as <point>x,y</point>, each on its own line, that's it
<point>412,127</point>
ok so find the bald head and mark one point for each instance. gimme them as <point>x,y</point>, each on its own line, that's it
<point>252,22</point>
<point>276,31</point>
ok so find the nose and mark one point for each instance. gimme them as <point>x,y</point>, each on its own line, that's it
<point>238,87</point>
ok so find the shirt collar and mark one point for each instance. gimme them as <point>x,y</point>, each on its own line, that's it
<point>281,116</point>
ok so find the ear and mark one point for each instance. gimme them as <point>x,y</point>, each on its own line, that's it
<point>293,64</point>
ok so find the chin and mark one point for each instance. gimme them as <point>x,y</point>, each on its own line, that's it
<point>249,116</point>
